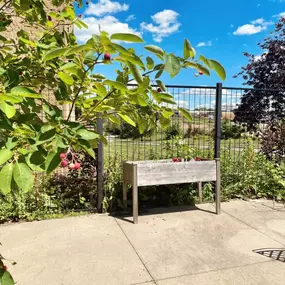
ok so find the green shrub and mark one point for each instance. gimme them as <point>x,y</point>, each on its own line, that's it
<point>172,131</point>
<point>251,176</point>
<point>231,130</point>
<point>193,131</point>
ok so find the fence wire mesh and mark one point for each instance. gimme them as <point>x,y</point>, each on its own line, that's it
<point>239,138</point>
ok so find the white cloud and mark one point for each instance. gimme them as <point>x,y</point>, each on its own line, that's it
<point>103,7</point>
<point>130,18</point>
<point>204,44</point>
<point>281,15</point>
<point>165,23</point>
<point>260,56</point>
<point>254,27</point>
<point>109,24</point>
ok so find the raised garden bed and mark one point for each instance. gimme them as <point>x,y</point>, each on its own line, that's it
<point>165,172</point>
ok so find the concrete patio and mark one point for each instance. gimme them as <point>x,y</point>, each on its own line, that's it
<point>168,247</point>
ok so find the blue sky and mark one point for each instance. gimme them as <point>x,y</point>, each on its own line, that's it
<point>220,30</point>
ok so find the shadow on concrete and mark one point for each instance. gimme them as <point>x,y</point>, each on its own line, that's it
<point>274,253</point>
<point>127,216</point>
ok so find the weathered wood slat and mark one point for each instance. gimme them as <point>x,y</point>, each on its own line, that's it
<point>128,172</point>
<point>175,173</point>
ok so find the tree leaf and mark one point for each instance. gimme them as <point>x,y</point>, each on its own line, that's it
<point>47,135</point>
<point>135,72</point>
<point>158,74</point>
<point>116,84</point>
<point>78,49</point>
<point>24,92</point>
<point>185,113</point>
<point>8,109</point>
<point>6,278</point>
<point>206,61</point>
<point>218,68</point>
<point>87,135</point>
<point>150,63</point>
<point>68,65</point>
<point>191,64</point>
<point>189,51</point>
<point>66,78</point>
<point>172,64</point>
<point>6,174</point>
<point>53,160</point>
<point>10,98</point>
<point>81,23</point>
<point>46,128</point>
<point>161,85</point>
<point>131,59</point>
<point>100,89</point>
<point>127,119</point>
<point>86,145</point>
<point>163,97</point>
<point>5,155</point>
<point>156,50</point>
<point>203,69</point>
<point>37,158</point>
<point>23,176</point>
<point>127,38</point>
<point>54,53</point>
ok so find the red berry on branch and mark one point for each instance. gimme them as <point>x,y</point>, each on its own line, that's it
<point>64,163</point>
<point>198,158</point>
<point>20,73</point>
<point>62,155</point>
<point>77,165</point>
<point>175,159</point>
<point>71,166</point>
<point>79,16</point>
<point>107,56</point>
<point>49,18</point>
<point>159,90</point>
<point>5,267</point>
<point>201,72</point>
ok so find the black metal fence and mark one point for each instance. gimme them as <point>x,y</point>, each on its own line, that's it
<point>196,138</point>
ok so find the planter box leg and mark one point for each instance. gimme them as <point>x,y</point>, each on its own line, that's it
<point>125,194</point>
<point>218,188</point>
<point>200,192</point>
<point>135,195</point>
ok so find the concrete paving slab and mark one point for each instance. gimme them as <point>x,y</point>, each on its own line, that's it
<point>82,250</point>
<point>268,273</point>
<point>188,242</point>
<point>260,215</point>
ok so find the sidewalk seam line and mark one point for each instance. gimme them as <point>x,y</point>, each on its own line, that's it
<point>210,271</point>
<point>153,280</point>
<point>252,227</point>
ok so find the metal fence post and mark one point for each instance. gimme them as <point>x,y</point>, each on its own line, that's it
<point>100,168</point>
<point>218,119</point>
<point>218,125</point>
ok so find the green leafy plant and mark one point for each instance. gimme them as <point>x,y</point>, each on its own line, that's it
<point>44,70</point>
<point>172,131</point>
<point>231,130</point>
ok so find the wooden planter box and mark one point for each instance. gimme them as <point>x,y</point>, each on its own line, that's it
<point>165,172</point>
